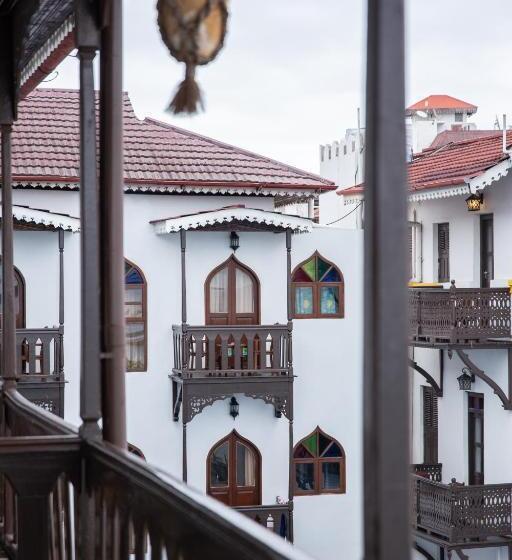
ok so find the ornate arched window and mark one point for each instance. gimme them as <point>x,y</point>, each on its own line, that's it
<point>317,289</point>
<point>19,299</point>
<point>232,295</point>
<point>234,471</point>
<point>136,317</point>
<point>319,462</point>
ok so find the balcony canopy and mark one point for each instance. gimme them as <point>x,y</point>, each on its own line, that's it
<point>233,217</point>
<point>34,218</point>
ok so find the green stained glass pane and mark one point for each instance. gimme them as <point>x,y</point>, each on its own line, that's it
<point>323,267</point>
<point>311,444</point>
<point>329,300</point>
<point>303,300</point>
<point>310,268</point>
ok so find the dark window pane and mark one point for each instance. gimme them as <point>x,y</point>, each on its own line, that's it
<point>329,300</point>
<point>311,444</point>
<point>301,276</point>
<point>219,470</point>
<point>333,451</point>
<point>302,453</point>
<point>323,267</point>
<point>133,277</point>
<point>303,301</point>
<point>323,442</point>
<point>330,476</point>
<point>305,476</point>
<point>332,276</point>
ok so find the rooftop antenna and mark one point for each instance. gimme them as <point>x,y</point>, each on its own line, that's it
<point>497,125</point>
<point>505,151</point>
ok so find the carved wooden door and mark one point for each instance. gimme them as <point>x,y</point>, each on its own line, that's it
<point>476,438</point>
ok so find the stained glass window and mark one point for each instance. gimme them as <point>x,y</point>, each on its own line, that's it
<point>319,465</point>
<point>317,287</point>
<point>135,316</point>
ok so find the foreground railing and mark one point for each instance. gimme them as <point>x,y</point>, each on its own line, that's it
<point>232,351</point>
<point>458,513</point>
<point>432,471</point>
<point>459,315</point>
<point>277,518</point>
<point>67,497</point>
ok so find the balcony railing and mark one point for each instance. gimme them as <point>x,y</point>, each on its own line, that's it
<point>125,507</point>
<point>276,518</point>
<point>458,513</point>
<point>232,351</point>
<point>459,315</point>
<point>432,471</point>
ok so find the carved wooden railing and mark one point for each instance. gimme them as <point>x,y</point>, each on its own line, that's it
<point>64,497</point>
<point>276,518</point>
<point>201,351</point>
<point>458,513</point>
<point>459,315</point>
<point>432,471</point>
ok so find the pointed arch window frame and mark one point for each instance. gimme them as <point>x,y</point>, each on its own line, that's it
<point>143,320</point>
<point>316,286</point>
<point>318,461</point>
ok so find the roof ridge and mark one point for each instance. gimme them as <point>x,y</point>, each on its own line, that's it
<point>237,149</point>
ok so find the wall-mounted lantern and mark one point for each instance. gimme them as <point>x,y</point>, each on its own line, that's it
<point>234,241</point>
<point>465,380</point>
<point>474,202</point>
<point>233,407</point>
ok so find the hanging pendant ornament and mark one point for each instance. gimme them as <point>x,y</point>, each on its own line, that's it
<point>193,31</point>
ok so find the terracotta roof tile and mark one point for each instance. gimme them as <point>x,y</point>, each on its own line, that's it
<point>449,136</point>
<point>46,149</point>
<point>440,103</point>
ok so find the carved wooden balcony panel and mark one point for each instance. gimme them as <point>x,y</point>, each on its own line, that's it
<point>460,316</point>
<point>431,471</point>
<point>458,513</point>
<point>275,517</point>
<point>232,351</point>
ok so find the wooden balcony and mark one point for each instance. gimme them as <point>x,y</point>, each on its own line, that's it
<point>214,362</point>
<point>458,514</point>
<point>460,317</point>
<point>276,518</point>
<point>431,471</point>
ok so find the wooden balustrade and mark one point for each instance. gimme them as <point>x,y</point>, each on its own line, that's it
<point>459,315</point>
<point>209,351</point>
<point>458,513</point>
<point>432,471</point>
<point>275,517</point>
<point>92,500</point>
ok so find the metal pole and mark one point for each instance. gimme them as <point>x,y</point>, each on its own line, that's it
<point>61,303</point>
<point>386,385</point>
<point>183,239</point>
<point>289,273</point>
<point>111,227</point>
<point>8,300</point>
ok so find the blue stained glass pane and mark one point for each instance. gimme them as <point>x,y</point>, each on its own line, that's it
<point>332,276</point>
<point>303,300</point>
<point>333,451</point>
<point>133,277</point>
<point>329,300</point>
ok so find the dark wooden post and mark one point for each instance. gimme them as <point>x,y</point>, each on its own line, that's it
<point>61,304</point>
<point>183,240</point>
<point>87,34</point>
<point>184,458</point>
<point>386,385</point>
<point>8,300</point>
<point>289,273</point>
<point>111,226</point>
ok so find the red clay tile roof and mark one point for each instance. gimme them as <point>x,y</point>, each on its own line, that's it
<point>450,136</point>
<point>451,164</point>
<point>46,150</point>
<point>441,103</point>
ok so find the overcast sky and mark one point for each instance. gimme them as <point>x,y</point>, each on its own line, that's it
<point>290,76</point>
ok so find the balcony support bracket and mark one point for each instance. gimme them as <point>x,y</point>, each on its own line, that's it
<point>475,370</point>
<point>424,373</point>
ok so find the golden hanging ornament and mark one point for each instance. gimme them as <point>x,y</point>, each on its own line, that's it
<point>193,31</point>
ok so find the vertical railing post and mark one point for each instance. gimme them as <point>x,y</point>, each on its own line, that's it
<point>111,226</point>
<point>386,387</point>
<point>8,299</point>
<point>87,35</point>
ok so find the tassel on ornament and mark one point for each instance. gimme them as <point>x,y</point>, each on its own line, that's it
<point>188,98</point>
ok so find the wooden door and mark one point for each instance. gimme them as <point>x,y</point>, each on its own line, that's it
<point>476,438</point>
<point>486,250</point>
<point>443,252</point>
<point>232,295</point>
<point>234,472</point>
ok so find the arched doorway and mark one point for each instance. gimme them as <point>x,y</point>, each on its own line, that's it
<point>232,295</point>
<point>234,471</point>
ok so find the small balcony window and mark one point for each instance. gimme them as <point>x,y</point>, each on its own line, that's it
<point>135,316</point>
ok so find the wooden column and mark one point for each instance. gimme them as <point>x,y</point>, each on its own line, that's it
<point>8,299</point>
<point>90,373</point>
<point>386,384</point>
<point>111,227</point>
<point>183,240</point>
<point>184,458</point>
<point>289,273</point>
<point>61,303</point>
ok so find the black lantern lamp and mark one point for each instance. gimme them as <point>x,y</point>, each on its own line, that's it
<point>234,241</point>
<point>474,202</point>
<point>465,380</point>
<point>233,407</point>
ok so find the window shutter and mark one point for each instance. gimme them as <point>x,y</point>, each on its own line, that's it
<point>430,429</point>
<point>443,252</point>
